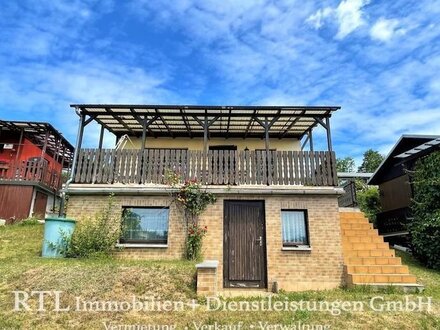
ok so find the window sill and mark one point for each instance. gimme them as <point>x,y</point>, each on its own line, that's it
<point>298,248</point>
<point>138,245</point>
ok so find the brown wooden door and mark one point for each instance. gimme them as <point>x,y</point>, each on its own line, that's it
<point>40,205</point>
<point>244,244</point>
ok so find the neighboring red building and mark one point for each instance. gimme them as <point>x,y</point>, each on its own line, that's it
<point>32,158</point>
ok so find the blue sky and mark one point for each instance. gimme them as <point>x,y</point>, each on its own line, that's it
<point>379,60</point>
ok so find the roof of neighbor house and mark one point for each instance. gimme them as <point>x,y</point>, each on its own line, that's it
<point>354,175</point>
<point>36,133</point>
<point>223,121</point>
<point>409,147</point>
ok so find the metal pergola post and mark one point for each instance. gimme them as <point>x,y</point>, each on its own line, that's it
<point>329,136</point>
<point>101,138</point>
<point>311,139</point>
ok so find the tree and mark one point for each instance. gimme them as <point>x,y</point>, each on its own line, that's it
<point>371,161</point>
<point>345,164</point>
<point>425,226</point>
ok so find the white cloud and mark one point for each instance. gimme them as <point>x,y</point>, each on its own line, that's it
<point>50,63</point>
<point>254,52</point>
<point>348,15</point>
<point>317,19</point>
<point>384,29</point>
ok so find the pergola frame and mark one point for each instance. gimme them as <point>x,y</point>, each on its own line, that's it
<point>44,136</point>
<point>191,121</point>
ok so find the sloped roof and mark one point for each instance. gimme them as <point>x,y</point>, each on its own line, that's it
<point>406,146</point>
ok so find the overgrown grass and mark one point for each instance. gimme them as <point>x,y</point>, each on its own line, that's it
<point>21,268</point>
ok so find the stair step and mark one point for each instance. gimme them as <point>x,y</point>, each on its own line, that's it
<point>351,215</point>
<point>362,239</point>
<point>359,232</point>
<point>368,260</point>
<point>365,246</point>
<point>380,278</point>
<point>370,253</point>
<point>373,261</point>
<point>353,220</point>
<point>378,269</point>
<point>364,226</point>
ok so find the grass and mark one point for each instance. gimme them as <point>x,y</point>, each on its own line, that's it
<point>21,268</point>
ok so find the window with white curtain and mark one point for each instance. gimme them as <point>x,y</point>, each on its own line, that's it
<point>295,231</point>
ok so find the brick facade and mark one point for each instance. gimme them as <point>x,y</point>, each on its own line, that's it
<point>320,268</point>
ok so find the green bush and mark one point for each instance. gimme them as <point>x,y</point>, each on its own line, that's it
<point>425,227</point>
<point>93,236</point>
<point>368,200</point>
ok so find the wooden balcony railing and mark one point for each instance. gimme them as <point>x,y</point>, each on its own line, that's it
<point>36,172</point>
<point>219,167</point>
<point>349,198</point>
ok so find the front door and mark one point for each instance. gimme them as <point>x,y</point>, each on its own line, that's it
<point>244,254</point>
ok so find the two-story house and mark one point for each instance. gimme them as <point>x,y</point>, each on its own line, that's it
<point>276,221</point>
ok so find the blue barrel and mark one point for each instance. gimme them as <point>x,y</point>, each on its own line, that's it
<point>53,229</point>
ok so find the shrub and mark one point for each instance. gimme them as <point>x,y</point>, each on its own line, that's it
<point>193,198</point>
<point>194,241</point>
<point>368,200</point>
<point>425,226</point>
<point>93,235</point>
<point>194,201</point>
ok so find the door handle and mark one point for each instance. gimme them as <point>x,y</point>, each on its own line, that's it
<point>260,241</point>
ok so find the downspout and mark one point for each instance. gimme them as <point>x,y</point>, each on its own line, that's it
<point>73,168</point>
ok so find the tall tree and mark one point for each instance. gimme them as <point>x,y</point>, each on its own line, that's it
<point>345,164</point>
<point>371,161</point>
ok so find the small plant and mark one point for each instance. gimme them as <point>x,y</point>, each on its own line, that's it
<point>190,194</point>
<point>194,241</point>
<point>193,198</point>
<point>93,235</point>
<point>29,222</point>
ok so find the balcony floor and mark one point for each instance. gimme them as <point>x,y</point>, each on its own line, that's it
<point>159,189</point>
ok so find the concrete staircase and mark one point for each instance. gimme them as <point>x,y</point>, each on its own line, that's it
<point>368,259</point>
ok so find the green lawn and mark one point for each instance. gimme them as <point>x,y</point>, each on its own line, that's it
<point>105,279</point>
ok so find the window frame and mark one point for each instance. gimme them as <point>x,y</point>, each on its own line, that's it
<point>296,245</point>
<point>145,243</point>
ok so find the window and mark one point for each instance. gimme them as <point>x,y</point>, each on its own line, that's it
<point>145,225</point>
<point>295,231</point>
<point>223,147</point>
